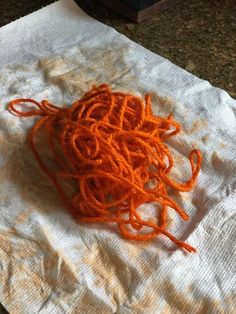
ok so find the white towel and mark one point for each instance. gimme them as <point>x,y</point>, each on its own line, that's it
<point>51,264</point>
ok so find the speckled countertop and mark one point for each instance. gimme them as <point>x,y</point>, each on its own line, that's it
<point>199,36</point>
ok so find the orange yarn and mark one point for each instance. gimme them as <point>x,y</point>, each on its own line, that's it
<point>111,146</point>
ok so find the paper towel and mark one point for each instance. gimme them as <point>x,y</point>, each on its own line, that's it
<point>51,264</point>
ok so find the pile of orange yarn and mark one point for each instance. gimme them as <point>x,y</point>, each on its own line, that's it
<point>111,146</point>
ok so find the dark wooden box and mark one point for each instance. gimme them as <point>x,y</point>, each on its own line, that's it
<point>138,10</point>
<point>138,5</point>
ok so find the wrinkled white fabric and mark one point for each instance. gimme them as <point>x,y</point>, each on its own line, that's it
<point>51,264</point>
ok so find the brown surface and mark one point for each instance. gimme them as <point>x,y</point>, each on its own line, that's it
<point>156,9</point>
<point>198,35</point>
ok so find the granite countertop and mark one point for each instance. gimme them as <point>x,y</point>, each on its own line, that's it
<point>197,35</point>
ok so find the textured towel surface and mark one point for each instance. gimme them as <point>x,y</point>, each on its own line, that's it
<point>49,263</point>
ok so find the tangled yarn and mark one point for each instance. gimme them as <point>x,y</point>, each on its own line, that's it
<point>111,147</point>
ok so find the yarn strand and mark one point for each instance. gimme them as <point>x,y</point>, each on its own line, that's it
<point>111,149</point>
